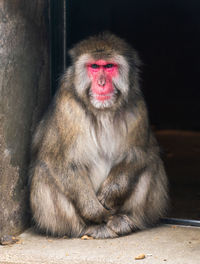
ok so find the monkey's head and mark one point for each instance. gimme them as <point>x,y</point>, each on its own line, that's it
<point>106,71</point>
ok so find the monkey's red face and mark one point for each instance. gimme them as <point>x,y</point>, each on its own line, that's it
<point>101,74</point>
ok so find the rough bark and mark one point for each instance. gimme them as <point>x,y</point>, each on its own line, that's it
<point>24,94</point>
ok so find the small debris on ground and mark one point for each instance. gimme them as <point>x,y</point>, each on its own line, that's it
<point>7,240</point>
<point>173,226</point>
<point>85,237</point>
<point>141,256</point>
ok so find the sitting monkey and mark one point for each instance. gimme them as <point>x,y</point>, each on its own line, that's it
<point>95,166</point>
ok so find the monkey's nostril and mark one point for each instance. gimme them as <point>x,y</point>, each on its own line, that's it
<point>101,82</point>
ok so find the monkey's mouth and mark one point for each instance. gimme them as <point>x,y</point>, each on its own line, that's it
<point>103,97</point>
<point>103,100</point>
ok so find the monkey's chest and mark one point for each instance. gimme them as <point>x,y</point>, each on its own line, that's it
<point>100,170</point>
<point>108,150</point>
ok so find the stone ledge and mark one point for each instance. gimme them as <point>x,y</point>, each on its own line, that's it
<point>164,244</point>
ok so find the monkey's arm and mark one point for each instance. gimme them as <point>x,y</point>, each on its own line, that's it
<point>123,176</point>
<point>80,190</point>
<point>120,182</point>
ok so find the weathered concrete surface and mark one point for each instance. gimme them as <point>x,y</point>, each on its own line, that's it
<point>166,244</point>
<point>24,94</point>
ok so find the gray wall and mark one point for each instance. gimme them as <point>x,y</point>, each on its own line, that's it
<point>24,95</point>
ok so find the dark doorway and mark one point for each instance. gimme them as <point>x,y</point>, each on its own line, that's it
<point>167,37</point>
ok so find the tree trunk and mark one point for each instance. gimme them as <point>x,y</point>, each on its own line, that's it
<point>24,94</point>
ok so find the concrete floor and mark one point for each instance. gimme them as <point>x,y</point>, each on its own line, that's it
<point>164,244</point>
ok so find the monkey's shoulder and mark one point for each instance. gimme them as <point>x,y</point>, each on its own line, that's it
<point>66,106</point>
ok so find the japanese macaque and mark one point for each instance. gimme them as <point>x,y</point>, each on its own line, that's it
<point>95,166</point>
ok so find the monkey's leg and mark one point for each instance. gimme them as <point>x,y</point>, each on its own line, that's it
<point>139,196</point>
<point>117,225</point>
<point>63,206</point>
<point>53,212</point>
<point>143,208</point>
<point>148,201</point>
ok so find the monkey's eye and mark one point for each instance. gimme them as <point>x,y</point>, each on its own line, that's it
<point>109,65</point>
<point>94,66</point>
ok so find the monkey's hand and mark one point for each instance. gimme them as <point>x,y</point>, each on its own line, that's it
<point>107,196</point>
<point>94,212</point>
<point>115,188</point>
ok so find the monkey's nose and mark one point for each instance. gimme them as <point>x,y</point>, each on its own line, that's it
<point>101,80</point>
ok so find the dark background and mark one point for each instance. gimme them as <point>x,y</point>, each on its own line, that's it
<point>167,36</point>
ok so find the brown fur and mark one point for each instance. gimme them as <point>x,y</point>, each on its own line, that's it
<point>96,170</point>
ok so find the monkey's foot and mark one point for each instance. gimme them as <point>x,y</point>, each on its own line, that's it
<point>100,231</point>
<point>120,224</point>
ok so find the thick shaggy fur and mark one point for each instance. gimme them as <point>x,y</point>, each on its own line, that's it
<point>95,166</point>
